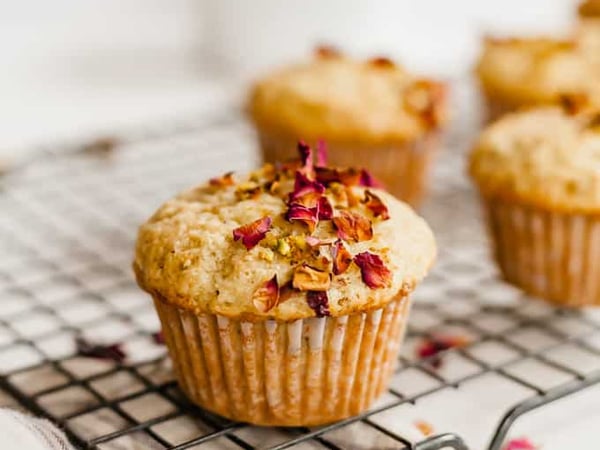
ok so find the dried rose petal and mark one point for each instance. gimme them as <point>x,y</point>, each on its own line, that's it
<point>377,207</point>
<point>318,302</point>
<point>430,348</point>
<point>308,278</point>
<point>225,180</point>
<point>158,337</point>
<point>306,156</point>
<point>306,192</point>
<point>424,427</point>
<point>325,209</point>
<point>382,62</point>
<point>520,444</point>
<point>266,297</point>
<point>310,216</point>
<point>374,273</point>
<point>112,352</point>
<point>347,177</point>
<point>327,51</point>
<point>321,154</point>
<point>341,257</point>
<point>252,233</point>
<point>368,180</point>
<point>353,227</point>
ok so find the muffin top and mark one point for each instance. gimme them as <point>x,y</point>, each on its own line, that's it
<point>544,157</point>
<point>288,242</point>
<point>343,100</point>
<point>589,8</point>
<point>535,70</point>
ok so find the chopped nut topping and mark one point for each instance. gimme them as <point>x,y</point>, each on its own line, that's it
<point>224,181</point>
<point>247,190</point>
<point>348,177</point>
<point>377,207</point>
<point>307,278</point>
<point>353,227</point>
<point>374,273</point>
<point>252,233</point>
<point>266,297</point>
<point>382,62</point>
<point>319,302</point>
<point>327,51</point>
<point>341,257</point>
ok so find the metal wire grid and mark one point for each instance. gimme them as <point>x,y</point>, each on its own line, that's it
<point>66,231</point>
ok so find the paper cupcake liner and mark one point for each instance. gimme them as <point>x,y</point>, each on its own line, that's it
<point>549,254</point>
<point>301,373</point>
<point>402,168</point>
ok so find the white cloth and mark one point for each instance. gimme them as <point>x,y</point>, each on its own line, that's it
<point>22,432</point>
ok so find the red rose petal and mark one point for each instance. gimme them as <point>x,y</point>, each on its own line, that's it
<point>321,154</point>
<point>325,209</point>
<point>431,347</point>
<point>520,444</point>
<point>318,302</point>
<point>252,233</point>
<point>341,257</point>
<point>310,216</point>
<point>353,227</point>
<point>306,156</point>
<point>367,180</point>
<point>373,271</point>
<point>266,297</point>
<point>306,191</point>
<point>376,205</point>
<point>112,352</point>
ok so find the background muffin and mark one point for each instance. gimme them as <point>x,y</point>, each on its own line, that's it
<point>588,32</point>
<point>517,72</point>
<point>538,173</point>
<point>371,113</point>
<point>283,295</point>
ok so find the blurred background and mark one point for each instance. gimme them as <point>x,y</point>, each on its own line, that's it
<point>77,68</point>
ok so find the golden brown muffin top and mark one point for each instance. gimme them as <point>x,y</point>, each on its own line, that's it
<point>339,99</point>
<point>532,71</point>
<point>288,242</point>
<point>544,157</point>
<point>589,8</point>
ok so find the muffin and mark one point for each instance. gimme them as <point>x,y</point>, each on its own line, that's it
<point>515,73</point>
<point>538,173</point>
<point>371,113</point>
<point>284,294</point>
<point>588,32</point>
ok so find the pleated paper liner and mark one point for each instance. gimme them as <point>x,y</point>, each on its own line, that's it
<point>301,373</point>
<point>549,254</point>
<point>402,168</point>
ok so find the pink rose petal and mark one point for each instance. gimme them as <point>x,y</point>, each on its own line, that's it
<point>373,271</point>
<point>252,233</point>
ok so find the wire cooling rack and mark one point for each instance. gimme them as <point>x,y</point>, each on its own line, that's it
<point>67,225</point>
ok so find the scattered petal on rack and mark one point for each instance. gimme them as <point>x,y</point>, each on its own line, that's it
<point>520,444</point>
<point>431,348</point>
